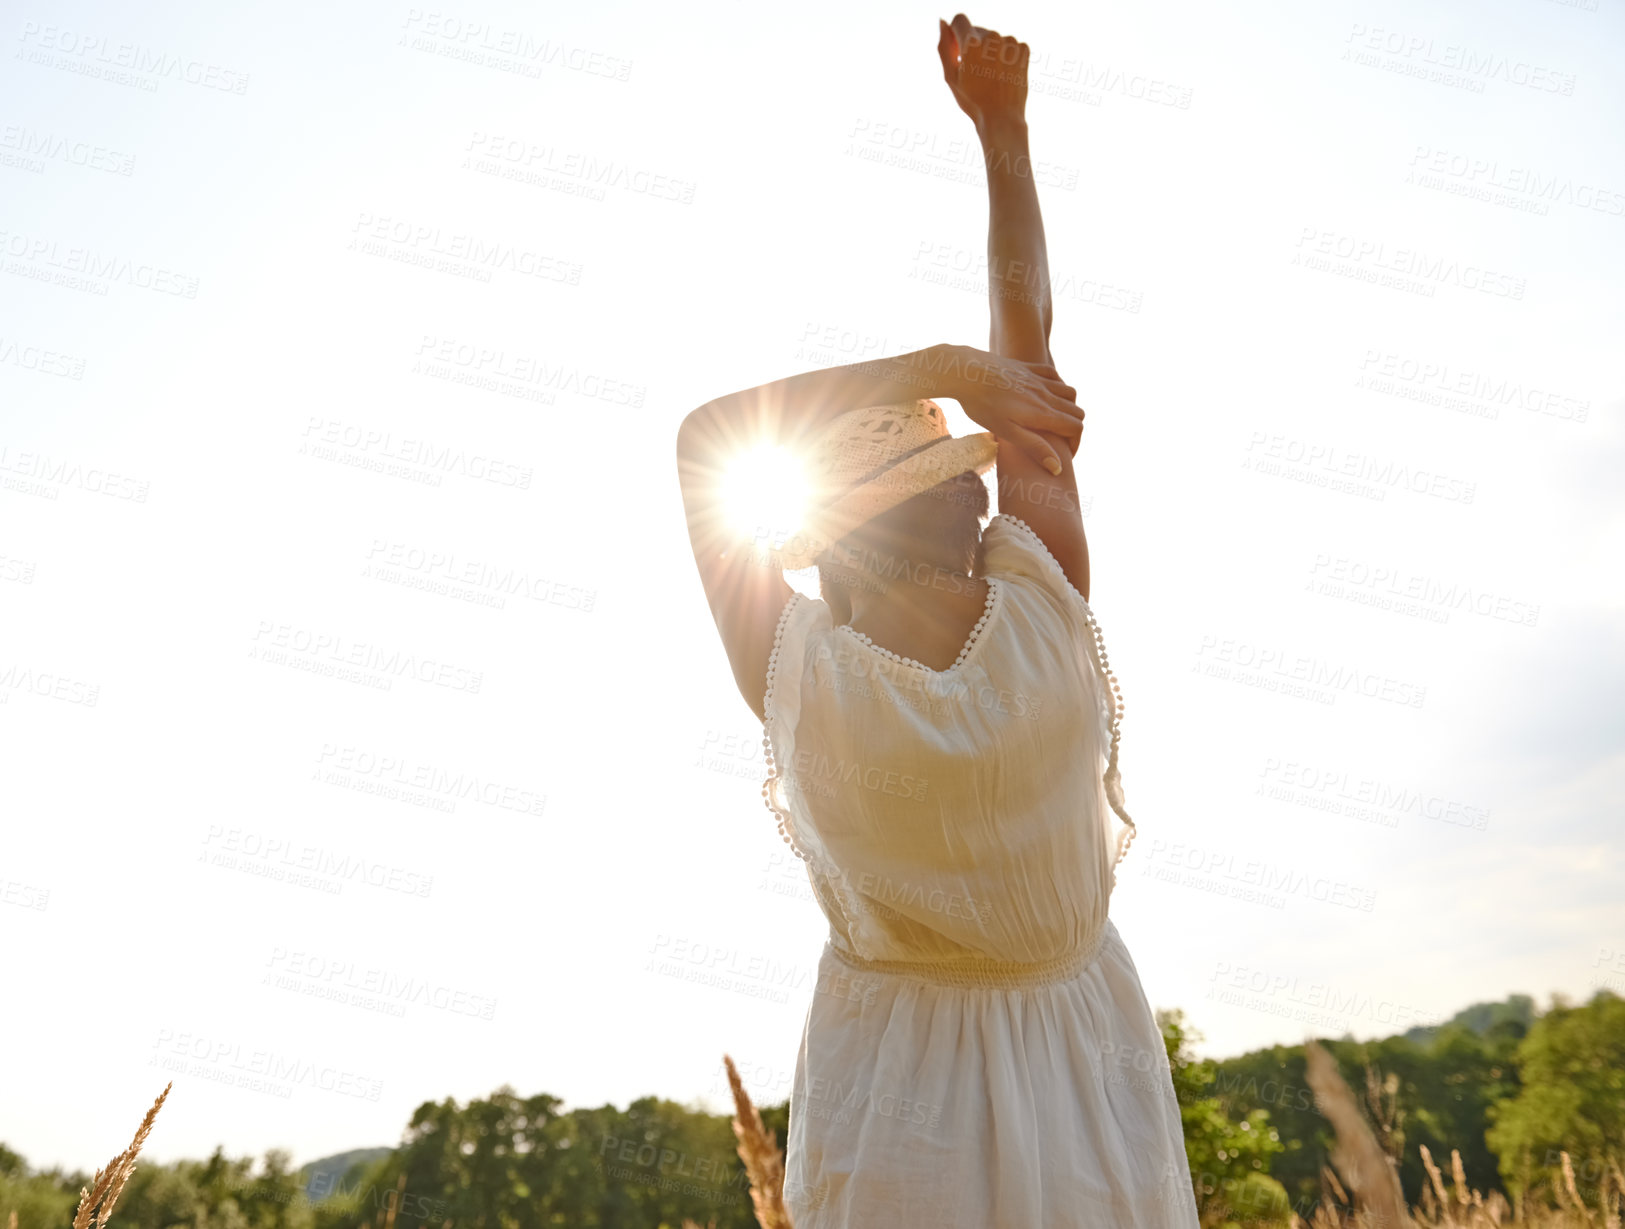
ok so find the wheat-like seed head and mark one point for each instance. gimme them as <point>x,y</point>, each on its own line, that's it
<point>1356,1153</point>
<point>758,1148</point>
<point>96,1204</point>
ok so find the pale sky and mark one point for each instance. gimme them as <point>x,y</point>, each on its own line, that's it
<point>344,348</point>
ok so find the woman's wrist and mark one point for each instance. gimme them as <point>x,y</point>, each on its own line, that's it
<point>956,366</point>
<point>1003,132</point>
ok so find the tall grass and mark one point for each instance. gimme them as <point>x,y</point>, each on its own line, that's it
<point>1367,1195</point>
<point>96,1202</point>
<point>1371,1198</point>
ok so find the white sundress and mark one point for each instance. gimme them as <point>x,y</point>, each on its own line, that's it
<point>979,1051</point>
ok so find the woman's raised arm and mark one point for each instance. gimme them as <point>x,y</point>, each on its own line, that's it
<point>987,74</point>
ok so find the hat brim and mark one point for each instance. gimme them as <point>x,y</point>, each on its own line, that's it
<point>911,476</point>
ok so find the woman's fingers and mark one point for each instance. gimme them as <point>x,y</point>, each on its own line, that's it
<point>1062,401</point>
<point>1066,424</point>
<point>948,53</point>
<point>1038,448</point>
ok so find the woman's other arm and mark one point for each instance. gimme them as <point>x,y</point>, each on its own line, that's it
<point>743,584</point>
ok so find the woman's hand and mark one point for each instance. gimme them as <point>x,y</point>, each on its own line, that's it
<point>986,72</point>
<point>1015,400</point>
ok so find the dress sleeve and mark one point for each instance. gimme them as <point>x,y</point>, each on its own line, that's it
<point>787,666</point>
<point>1011,547</point>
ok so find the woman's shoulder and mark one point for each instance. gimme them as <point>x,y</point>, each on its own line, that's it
<point>1012,548</point>
<point>803,622</point>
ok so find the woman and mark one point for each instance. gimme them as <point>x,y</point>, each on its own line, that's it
<point>942,734</point>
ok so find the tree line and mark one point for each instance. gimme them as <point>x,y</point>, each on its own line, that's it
<point>1506,1085</point>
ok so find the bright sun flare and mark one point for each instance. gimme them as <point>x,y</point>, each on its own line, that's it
<point>765,491</point>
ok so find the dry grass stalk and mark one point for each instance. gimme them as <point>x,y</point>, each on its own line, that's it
<point>1356,1153</point>
<point>1431,1211</point>
<point>1459,1175</point>
<point>1437,1188</point>
<point>108,1184</point>
<point>395,1203</point>
<point>1619,1186</point>
<point>1568,1183</point>
<point>1382,1096</point>
<point>1329,1183</point>
<point>759,1149</point>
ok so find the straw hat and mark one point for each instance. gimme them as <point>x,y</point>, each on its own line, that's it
<point>870,460</point>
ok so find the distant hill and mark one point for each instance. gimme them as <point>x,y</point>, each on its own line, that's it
<point>322,1177</point>
<point>1519,1011</point>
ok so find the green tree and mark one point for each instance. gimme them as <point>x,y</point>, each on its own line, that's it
<point>1229,1157</point>
<point>41,1201</point>
<point>1446,1079</point>
<point>509,1162</point>
<point>221,1192</point>
<point>1572,1069</point>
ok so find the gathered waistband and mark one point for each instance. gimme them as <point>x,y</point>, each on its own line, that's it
<point>982,972</point>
